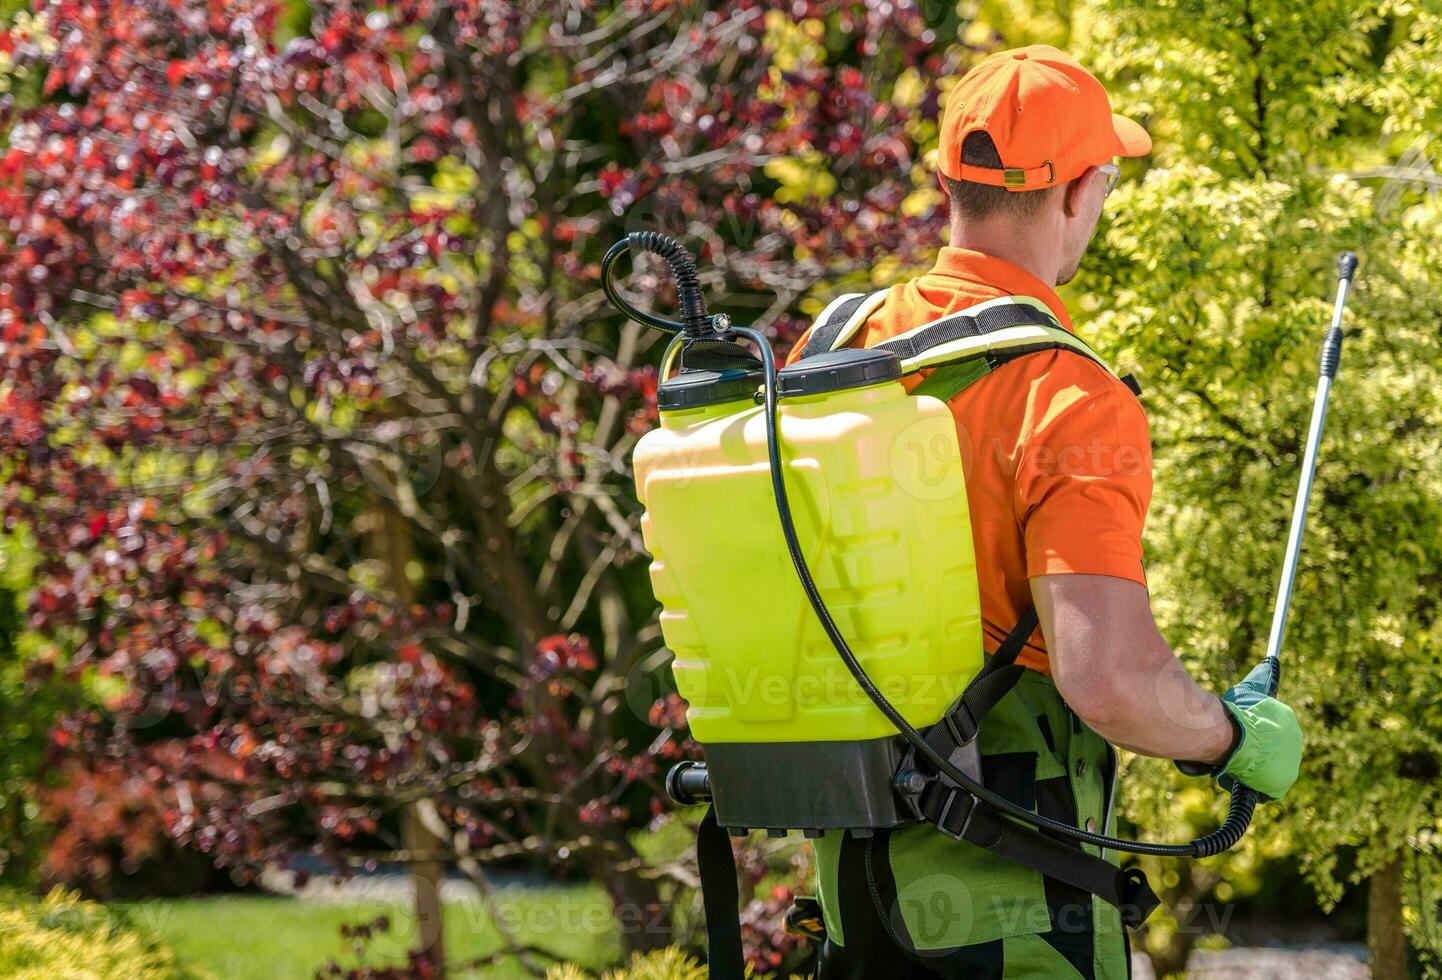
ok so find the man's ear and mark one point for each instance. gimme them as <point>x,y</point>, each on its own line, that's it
<point>941,180</point>
<point>1071,196</point>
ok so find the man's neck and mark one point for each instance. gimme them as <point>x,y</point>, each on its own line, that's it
<point>1021,250</point>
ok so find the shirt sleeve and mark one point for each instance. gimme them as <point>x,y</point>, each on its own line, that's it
<point>1084,475</point>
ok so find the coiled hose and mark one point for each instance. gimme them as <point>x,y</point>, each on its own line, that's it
<point>695,321</point>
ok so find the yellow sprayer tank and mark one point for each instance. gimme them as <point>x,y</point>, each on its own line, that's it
<point>876,484</point>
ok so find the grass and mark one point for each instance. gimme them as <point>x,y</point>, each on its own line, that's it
<point>272,938</point>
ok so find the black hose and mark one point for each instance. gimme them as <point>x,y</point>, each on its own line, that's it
<point>1239,818</point>
<point>1243,802</point>
<point>695,321</point>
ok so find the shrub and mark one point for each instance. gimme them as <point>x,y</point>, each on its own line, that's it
<point>64,936</point>
<point>665,964</point>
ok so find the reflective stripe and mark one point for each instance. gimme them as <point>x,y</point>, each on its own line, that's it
<point>867,307</point>
<point>825,314</point>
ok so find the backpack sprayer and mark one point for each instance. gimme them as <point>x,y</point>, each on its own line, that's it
<point>790,742</point>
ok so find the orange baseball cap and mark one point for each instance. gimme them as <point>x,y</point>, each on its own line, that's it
<point>1048,116</point>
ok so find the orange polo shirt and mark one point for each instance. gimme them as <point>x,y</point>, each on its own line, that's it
<point>1057,453</point>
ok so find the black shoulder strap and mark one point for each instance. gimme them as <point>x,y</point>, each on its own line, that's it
<point>962,816</point>
<point>716,863</point>
<point>988,334</point>
<point>992,683</point>
<point>988,319</point>
<point>837,322</point>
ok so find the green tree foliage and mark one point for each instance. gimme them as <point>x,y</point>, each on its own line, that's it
<point>1285,134</point>
<point>31,697</point>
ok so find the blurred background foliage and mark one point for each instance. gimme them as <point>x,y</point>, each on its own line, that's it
<point>792,147</point>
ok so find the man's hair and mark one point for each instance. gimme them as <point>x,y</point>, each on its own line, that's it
<point>974,202</point>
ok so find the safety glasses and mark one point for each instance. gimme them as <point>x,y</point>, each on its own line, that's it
<point>1113,174</point>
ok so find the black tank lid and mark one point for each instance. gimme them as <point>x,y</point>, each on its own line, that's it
<point>696,389</point>
<point>850,367</point>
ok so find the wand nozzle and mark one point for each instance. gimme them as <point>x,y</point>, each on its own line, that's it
<point>1332,342</point>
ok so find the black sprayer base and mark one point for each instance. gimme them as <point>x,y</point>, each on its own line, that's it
<point>806,786</point>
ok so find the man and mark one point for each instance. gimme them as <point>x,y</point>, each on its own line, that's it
<point>1059,481</point>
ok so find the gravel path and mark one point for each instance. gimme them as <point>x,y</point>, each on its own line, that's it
<point>387,887</point>
<point>1330,962</point>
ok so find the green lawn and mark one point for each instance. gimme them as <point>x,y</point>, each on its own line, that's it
<point>268,938</point>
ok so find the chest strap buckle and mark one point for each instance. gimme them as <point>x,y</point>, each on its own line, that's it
<point>953,816</point>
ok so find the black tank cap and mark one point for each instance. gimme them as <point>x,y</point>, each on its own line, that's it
<point>696,389</point>
<point>837,370</point>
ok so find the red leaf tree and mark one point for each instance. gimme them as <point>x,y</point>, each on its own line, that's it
<point>322,425</point>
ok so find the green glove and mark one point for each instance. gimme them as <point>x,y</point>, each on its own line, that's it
<point>1269,751</point>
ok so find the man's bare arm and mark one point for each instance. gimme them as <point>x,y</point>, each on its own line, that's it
<point>1120,676</point>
